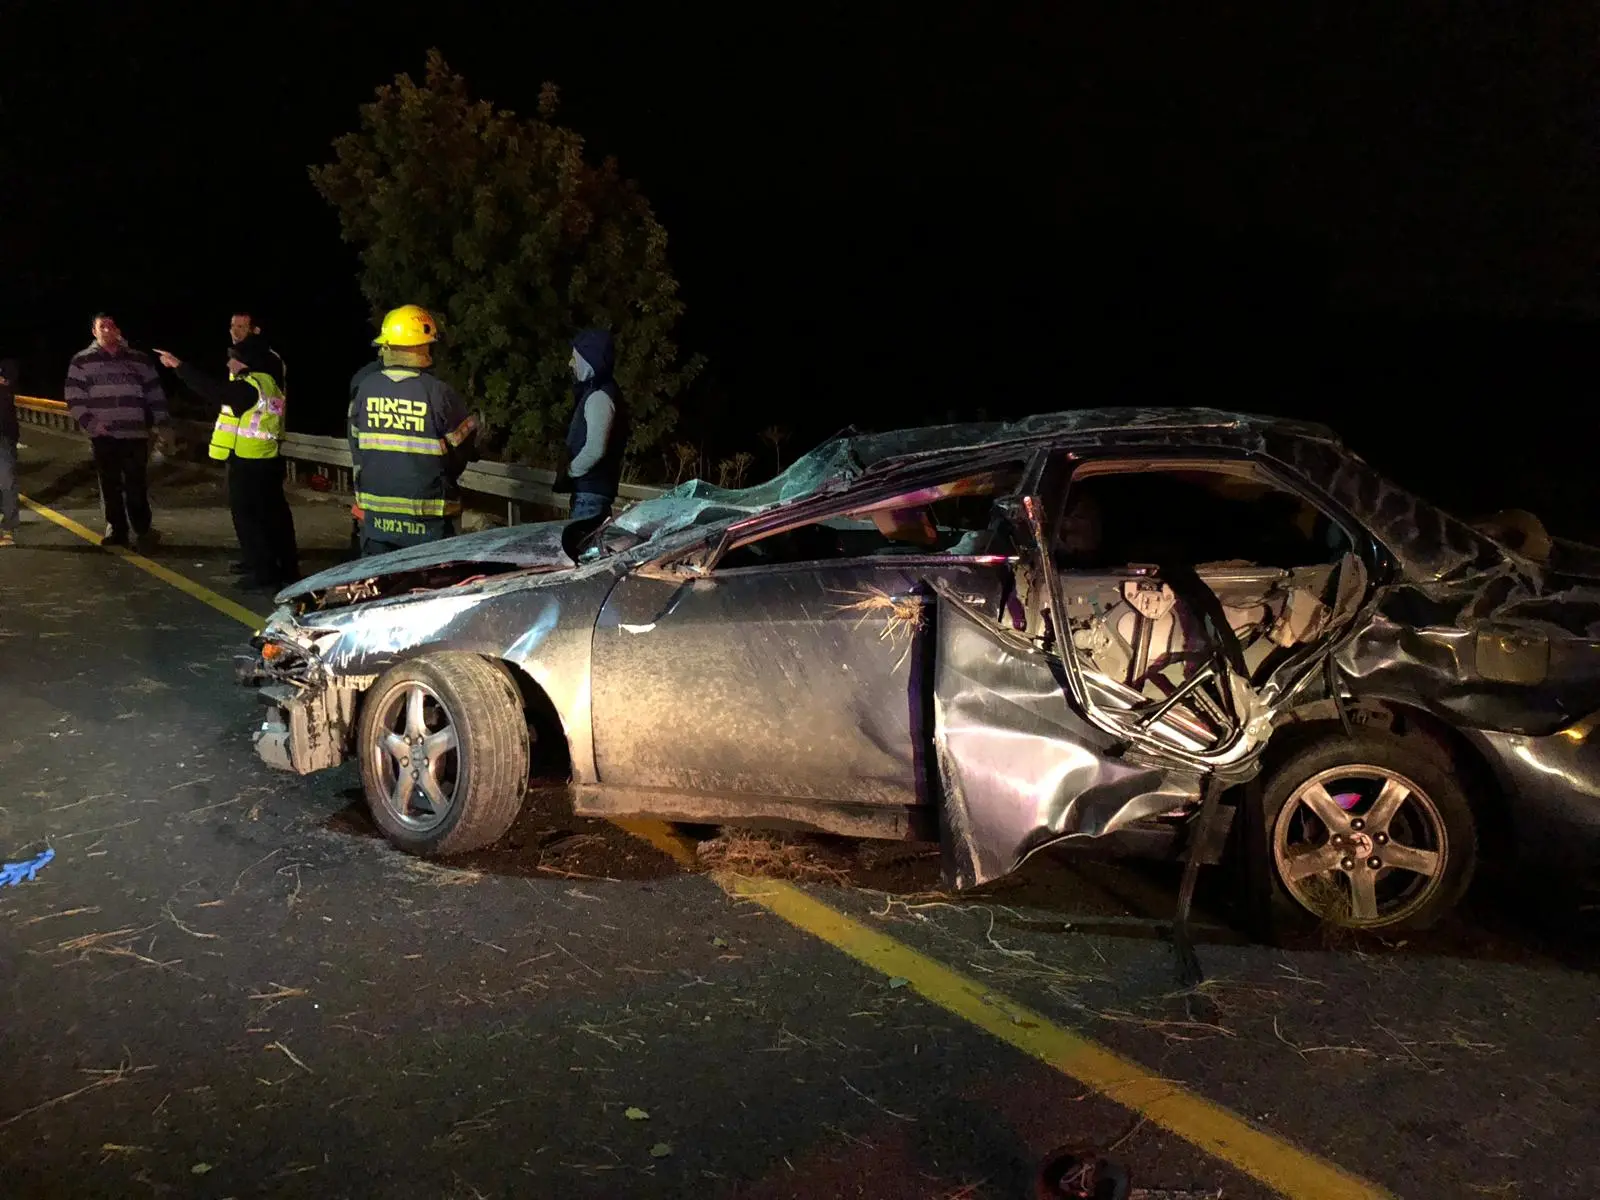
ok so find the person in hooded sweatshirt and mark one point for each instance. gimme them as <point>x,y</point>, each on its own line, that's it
<point>10,435</point>
<point>598,434</point>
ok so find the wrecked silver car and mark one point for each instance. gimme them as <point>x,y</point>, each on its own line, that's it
<point>1077,627</point>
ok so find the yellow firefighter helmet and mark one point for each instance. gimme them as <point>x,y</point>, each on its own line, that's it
<point>408,325</point>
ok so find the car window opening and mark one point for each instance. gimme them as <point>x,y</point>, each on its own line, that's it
<point>1282,573</point>
<point>1191,516</point>
<point>952,519</point>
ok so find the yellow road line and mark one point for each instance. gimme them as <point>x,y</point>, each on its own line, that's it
<point>1293,1172</point>
<point>182,582</point>
<point>660,835</point>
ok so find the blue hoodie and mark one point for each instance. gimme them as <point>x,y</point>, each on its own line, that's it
<point>597,348</point>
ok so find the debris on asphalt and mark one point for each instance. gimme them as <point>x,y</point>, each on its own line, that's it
<point>636,1114</point>
<point>290,1055</point>
<point>81,910</point>
<point>769,854</point>
<point>13,873</point>
<point>440,876</point>
<point>661,1150</point>
<point>1077,1173</point>
<point>104,1077</point>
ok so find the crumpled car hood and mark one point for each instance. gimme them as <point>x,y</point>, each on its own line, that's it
<point>527,546</point>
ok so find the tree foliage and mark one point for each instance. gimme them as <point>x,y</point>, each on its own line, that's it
<point>498,225</point>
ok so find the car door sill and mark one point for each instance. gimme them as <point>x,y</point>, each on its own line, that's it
<point>896,822</point>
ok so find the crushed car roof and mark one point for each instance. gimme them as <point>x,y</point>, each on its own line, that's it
<point>833,464</point>
<point>1429,543</point>
<point>840,460</point>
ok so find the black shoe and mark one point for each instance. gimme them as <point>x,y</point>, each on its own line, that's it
<point>116,539</point>
<point>147,541</point>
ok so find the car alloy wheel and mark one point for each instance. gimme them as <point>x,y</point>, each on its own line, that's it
<point>415,757</point>
<point>1361,846</point>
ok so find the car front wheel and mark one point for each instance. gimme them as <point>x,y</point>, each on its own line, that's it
<point>444,749</point>
<point>1365,832</point>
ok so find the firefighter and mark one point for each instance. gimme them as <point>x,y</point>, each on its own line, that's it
<point>246,436</point>
<point>410,438</point>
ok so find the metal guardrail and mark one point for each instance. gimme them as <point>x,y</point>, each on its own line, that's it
<point>516,485</point>
<point>52,414</point>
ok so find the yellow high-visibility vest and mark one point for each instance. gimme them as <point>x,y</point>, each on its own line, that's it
<point>257,433</point>
<point>223,434</point>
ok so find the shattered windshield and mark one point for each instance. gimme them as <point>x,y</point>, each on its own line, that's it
<point>700,503</point>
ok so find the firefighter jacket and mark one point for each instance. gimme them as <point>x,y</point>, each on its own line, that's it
<point>255,432</point>
<point>410,438</point>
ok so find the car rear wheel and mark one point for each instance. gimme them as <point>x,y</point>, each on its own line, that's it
<point>444,749</point>
<point>1365,832</point>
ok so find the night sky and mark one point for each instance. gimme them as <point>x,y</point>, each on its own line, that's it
<point>1386,217</point>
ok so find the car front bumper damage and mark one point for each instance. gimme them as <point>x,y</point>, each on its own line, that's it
<point>309,723</point>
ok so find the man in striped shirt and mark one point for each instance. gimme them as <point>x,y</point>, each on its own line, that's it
<point>115,396</point>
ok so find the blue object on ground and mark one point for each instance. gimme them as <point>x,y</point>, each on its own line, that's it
<point>25,871</point>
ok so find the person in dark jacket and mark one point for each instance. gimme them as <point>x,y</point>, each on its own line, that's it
<point>242,326</point>
<point>411,436</point>
<point>356,381</point>
<point>360,377</point>
<point>115,396</point>
<point>598,433</point>
<point>249,429</point>
<point>10,435</point>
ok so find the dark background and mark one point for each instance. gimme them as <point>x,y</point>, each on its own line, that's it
<point>1385,217</point>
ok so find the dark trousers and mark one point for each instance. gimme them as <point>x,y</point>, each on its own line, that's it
<point>8,484</point>
<point>124,490</point>
<point>376,542</point>
<point>262,519</point>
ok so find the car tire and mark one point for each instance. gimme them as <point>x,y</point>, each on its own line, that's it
<point>1301,877</point>
<point>465,790</point>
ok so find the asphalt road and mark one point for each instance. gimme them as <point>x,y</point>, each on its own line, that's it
<point>225,984</point>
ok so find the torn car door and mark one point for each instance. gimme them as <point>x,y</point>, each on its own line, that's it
<point>1019,768</point>
<point>1182,656</point>
<point>1160,663</point>
<point>799,681</point>
<point>1128,688</point>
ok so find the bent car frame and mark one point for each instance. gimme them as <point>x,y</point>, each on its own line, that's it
<point>1071,628</point>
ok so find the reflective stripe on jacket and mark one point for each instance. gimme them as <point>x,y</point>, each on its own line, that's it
<point>406,430</point>
<point>257,433</point>
<point>223,434</point>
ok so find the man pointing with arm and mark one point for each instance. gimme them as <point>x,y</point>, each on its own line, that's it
<point>247,435</point>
